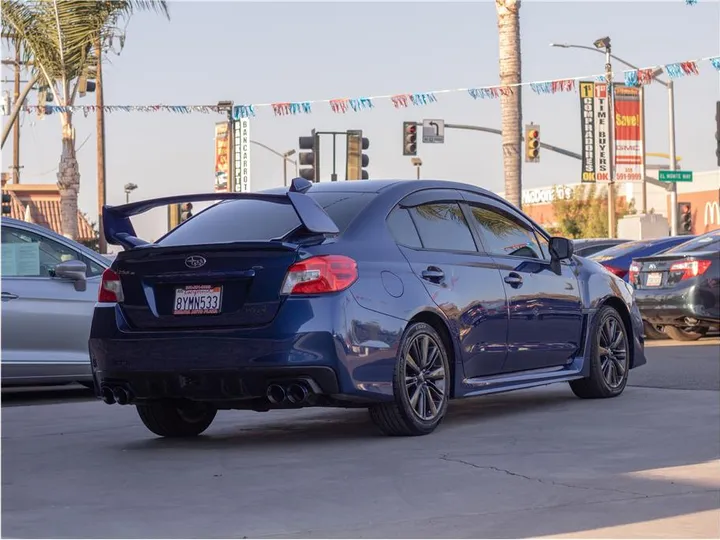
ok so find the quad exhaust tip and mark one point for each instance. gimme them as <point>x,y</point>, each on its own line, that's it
<point>275,394</point>
<point>115,395</point>
<point>297,393</point>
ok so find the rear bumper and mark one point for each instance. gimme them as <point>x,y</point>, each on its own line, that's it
<point>339,348</point>
<point>672,306</point>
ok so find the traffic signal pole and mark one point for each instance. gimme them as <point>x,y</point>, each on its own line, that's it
<point>673,160</point>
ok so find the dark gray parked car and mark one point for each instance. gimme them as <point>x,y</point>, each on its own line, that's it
<point>584,247</point>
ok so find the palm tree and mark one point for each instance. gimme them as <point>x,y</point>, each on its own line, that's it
<point>58,38</point>
<point>508,14</point>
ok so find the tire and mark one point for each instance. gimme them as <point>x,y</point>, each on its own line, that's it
<point>681,334</point>
<point>652,332</point>
<point>430,381</point>
<point>167,419</point>
<point>608,373</point>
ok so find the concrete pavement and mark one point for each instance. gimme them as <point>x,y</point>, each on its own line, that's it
<point>532,463</point>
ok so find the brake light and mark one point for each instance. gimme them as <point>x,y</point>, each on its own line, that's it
<point>110,287</point>
<point>322,274</point>
<point>690,269</point>
<point>619,272</point>
<point>633,273</point>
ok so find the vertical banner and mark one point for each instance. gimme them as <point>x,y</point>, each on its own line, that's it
<point>602,133</point>
<point>628,143</point>
<point>222,157</point>
<point>242,155</point>
<point>587,128</point>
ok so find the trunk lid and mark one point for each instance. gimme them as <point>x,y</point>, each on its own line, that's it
<point>204,286</point>
<point>654,272</point>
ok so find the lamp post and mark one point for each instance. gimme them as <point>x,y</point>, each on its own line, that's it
<point>284,155</point>
<point>129,188</point>
<point>417,162</point>
<point>671,127</point>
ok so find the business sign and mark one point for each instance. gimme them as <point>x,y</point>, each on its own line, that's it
<point>546,195</point>
<point>587,129</point>
<point>712,213</point>
<point>602,132</point>
<point>222,157</point>
<point>242,155</point>
<point>628,142</point>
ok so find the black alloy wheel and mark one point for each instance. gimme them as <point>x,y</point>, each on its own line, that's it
<point>421,385</point>
<point>609,357</point>
<point>176,419</point>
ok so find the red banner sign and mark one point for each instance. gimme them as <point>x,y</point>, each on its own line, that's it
<point>222,156</point>
<point>628,142</point>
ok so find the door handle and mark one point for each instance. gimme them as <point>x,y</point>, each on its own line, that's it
<point>433,273</point>
<point>9,296</point>
<point>513,279</point>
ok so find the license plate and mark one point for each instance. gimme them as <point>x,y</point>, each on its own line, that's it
<point>197,300</point>
<point>654,279</point>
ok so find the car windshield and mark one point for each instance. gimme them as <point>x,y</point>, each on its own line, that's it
<point>709,241</point>
<point>621,249</point>
<point>257,220</point>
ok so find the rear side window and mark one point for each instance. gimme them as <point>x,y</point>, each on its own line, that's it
<point>442,226</point>
<point>255,220</point>
<point>403,229</point>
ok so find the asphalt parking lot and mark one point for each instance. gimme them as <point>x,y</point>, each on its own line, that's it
<point>525,464</point>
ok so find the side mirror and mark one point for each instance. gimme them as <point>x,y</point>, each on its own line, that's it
<point>75,271</point>
<point>561,248</point>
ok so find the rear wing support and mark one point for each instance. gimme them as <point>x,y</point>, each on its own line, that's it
<point>120,231</point>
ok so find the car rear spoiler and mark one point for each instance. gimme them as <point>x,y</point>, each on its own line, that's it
<point>119,231</point>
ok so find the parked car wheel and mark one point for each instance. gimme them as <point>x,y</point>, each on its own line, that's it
<point>421,384</point>
<point>688,333</point>
<point>609,358</point>
<point>654,332</point>
<point>169,419</point>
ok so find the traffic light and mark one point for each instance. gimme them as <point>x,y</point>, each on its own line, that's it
<point>409,138</point>
<point>311,158</point>
<point>6,208</point>
<point>356,160</point>
<point>185,211</point>
<point>717,132</point>
<point>532,143</point>
<point>684,218</point>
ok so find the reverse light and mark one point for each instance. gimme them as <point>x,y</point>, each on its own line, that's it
<point>110,287</point>
<point>690,269</point>
<point>619,272</point>
<point>319,275</point>
<point>633,273</point>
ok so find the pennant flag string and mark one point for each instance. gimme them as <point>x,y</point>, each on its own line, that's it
<point>633,77</point>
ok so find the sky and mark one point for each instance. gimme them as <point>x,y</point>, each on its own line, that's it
<point>263,52</point>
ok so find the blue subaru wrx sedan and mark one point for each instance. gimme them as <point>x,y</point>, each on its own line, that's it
<point>395,296</point>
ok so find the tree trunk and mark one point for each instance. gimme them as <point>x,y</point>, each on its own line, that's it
<point>508,13</point>
<point>68,179</point>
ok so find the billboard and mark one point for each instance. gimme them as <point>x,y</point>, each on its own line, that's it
<point>222,157</point>
<point>628,142</point>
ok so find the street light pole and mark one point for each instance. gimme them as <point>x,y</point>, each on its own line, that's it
<point>285,156</point>
<point>605,42</point>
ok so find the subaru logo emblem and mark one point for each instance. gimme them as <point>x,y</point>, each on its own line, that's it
<point>195,261</point>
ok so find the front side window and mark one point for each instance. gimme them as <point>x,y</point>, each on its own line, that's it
<point>27,254</point>
<point>442,226</point>
<point>504,235</point>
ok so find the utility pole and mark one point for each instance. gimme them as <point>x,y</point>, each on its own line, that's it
<point>673,159</point>
<point>100,118</point>
<point>16,126</point>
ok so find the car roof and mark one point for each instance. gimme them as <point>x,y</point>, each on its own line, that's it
<point>376,186</point>
<point>589,241</point>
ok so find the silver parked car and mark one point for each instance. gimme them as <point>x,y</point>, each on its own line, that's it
<point>49,289</point>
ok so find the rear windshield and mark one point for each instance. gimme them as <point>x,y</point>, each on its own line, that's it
<point>254,220</point>
<point>706,242</point>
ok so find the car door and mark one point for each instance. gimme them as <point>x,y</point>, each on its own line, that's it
<point>45,321</point>
<point>545,308</point>
<point>463,283</point>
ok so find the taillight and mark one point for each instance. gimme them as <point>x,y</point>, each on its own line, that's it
<point>633,273</point>
<point>619,272</point>
<point>110,287</point>
<point>690,269</point>
<point>321,274</point>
